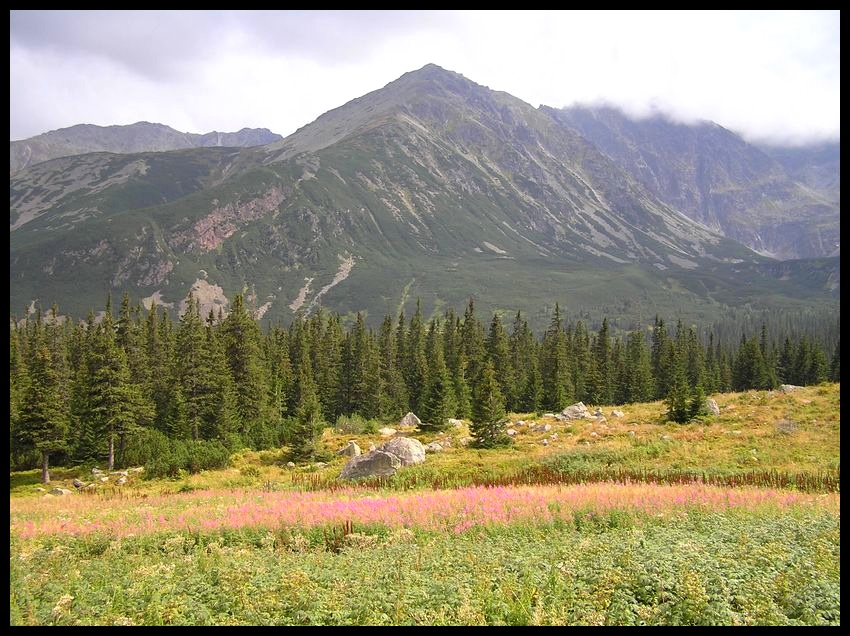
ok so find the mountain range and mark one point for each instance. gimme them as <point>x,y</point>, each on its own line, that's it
<point>139,137</point>
<point>439,189</point>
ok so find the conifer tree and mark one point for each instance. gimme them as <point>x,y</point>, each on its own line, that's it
<point>394,396</point>
<point>488,411</point>
<point>557,389</point>
<point>498,353</point>
<point>416,364</point>
<point>308,415</point>
<point>437,401</point>
<point>835,365</point>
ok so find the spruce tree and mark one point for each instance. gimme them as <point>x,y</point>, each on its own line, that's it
<point>308,415</point>
<point>438,400</point>
<point>488,411</point>
<point>678,398</point>
<point>835,365</point>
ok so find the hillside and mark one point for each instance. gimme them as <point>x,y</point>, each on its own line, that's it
<point>718,179</point>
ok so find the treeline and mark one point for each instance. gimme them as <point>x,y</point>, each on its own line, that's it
<point>140,388</point>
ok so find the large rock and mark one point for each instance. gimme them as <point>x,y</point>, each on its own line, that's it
<point>409,451</point>
<point>60,491</point>
<point>410,420</point>
<point>350,450</point>
<point>376,463</point>
<point>453,422</point>
<point>787,388</point>
<point>712,407</point>
<point>577,411</point>
<point>78,484</point>
<point>387,431</point>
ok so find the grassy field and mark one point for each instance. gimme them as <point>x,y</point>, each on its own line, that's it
<point>687,528</point>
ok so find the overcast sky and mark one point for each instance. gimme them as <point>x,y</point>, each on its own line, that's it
<point>768,75</point>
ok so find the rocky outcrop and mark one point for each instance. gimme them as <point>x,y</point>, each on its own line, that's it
<point>712,407</point>
<point>376,463</point>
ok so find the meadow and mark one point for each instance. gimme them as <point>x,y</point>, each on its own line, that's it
<point>731,520</point>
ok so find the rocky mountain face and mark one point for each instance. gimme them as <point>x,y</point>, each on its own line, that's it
<point>817,166</point>
<point>139,137</point>
<point>784,208</point>
<point>433,187</point>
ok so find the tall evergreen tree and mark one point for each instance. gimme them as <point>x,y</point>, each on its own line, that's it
<point>437,404</point>
<point>488,411</point>
<point>498,353</point>
<point>835,365</point>
<point>308,415</point>
<point>557,388</point>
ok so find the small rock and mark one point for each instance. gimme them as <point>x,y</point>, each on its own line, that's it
<point>548,415</point>
<point>787,388</point>
<point>617,413</point>
<point>542,428</point>
<point>446,443</point>
<point>90,487</point>
<point>465,441</point>
<point>632,433</point>
<point>319,465</point>
<point>434,447</point>
<point>577,411</point>
<point>712,407</point>
<point>666,438</point>
<point>290,464</point>
<point>121,480</point>
<point>597,412</point>
<point>545,442</point>
<point>594,434</point>
<point>96,471</point>
<point>350,450</point>
<point>553,436</point>
<point>104,479</point>
<point>60,492</point>
<point>601,420</point>
<point>511,432</point>
<point>410,420</point>
<point>40,489</point>
<point>122,473</point>
<point>455,423</point>
<point>137,469</point>
<point>78,483</point>
<point>805,401</point>
<point>520,423</point>
<point>387,431</point>
<point>561,418</point>
<point>371,447</point>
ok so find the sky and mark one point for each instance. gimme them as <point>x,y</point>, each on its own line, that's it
<point>771,76</point>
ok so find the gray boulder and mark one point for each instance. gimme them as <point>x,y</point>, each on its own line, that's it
<point>409,451</point>
<point>542,428</point>
<point>617,413</point>
<point>787,388</point>
<point>577,411</point>
<point>387,431</point>
<point>376,463</point>
<point>60,492</point>
<point>410,420</point>
<point>712,407</point>
<point>455,423</point>
<point>511,432</point>
<point>434,447</point>
<point>121,480</point>
<point>351,450</point>
<point>78,483</point>
<point>96,471</point>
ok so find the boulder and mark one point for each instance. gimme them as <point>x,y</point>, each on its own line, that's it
<point>410,420</point>
<point>456,423</point>
<point>121,480</point>
<point>787,388</point>
<point>594,434</point>
<point>465,441</point>
<point>387,431</point>
<point>408,450</point>
<point>511,432</point>
<point>666,438</point>
<point>545,442</point>
<point>617,413</point>
<point>90,487</point>
<point>434,447</point>
<point>290,464</point>
<point>60,492</point>
<point>350,450</point>
<point>553,436</point>
<point>597,412</point>
<point>712,407</point>
<point>104,479</point>
<point>96,471</point>
<point>122,473</point>
<point>542,428</point>
<point>78,484</point>
<point>577,411</point>
<point>39,489</point>
<point>519,423</point>
<point>376,463</point>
